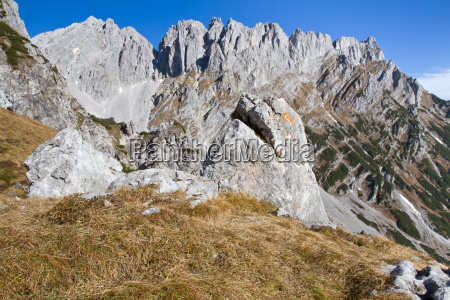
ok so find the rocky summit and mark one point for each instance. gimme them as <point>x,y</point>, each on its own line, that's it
<point>327,133</point>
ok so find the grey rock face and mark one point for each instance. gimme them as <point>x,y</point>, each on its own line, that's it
<point>107,66</point>
<point>109,70</point>
<point>359,53</point>
<point>182,48</point>
<point>430,283</point>
<point>442,293</point>
<point>289,184</point>
<point>97,135</point>
<point>32,87</point>
<point>37,91</point>
<point>264,50</point>
<point>4,102</point>
<point>168,181</point>
<point>12,18</point>
<point>98,57</point>
<point>66,164</point>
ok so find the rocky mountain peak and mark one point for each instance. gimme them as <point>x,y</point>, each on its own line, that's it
<point>359,53</point>
<point>9,13</point>
<point>182,48</point>
<point>215,22</point>
<point>98,57</point>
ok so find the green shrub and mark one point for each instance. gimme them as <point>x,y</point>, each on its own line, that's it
<point>345,149</point>
<point>433,254</point>
<point>373,151</point>
<point>436,99</point>
<point>107,123</point>
<point>353,159</point>
<point>352,131</point>
<point>338,135</point>
<point>361,125</point>
<point>405,223</point>
<point>17,44</point>
<point>329,155</point>
<point>342,188</point>
<point>336,175</point>
<point>441,224</point>
<point>400,238</point>
<point>367,222</point>
<point>127,169</point>
<point>176,123</point>
<point>316,139</point>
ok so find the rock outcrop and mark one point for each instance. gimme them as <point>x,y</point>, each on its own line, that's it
<point>9,13</point>
<point>30,85</point>
<point>430,283</point>
<point>97,135</point>
<point>267,155</point>
<point>67,164</point>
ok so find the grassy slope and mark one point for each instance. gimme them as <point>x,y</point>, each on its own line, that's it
<point>19,137</point>
<point>228,248</point>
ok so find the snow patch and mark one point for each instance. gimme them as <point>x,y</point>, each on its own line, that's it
<point>410,205</point>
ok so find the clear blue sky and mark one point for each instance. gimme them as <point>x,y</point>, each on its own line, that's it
<point>414,34</point>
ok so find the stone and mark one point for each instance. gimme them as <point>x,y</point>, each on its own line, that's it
<point>168,181</point>
<point>151,211</point>
<point>66,164</point>
<point>88,196</point>
<point>430,283</point>
<point>436,278</point>
<point>107,203</point>
<point>289,182</point>
<point>442,293</point>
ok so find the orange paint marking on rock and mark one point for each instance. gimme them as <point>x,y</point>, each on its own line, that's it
<point>288,118</point>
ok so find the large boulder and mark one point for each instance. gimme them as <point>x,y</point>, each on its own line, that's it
<point>168,181</point>
<point>262,152</point>
<point>67,164</point>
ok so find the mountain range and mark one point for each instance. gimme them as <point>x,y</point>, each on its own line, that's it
<point>381,140</point>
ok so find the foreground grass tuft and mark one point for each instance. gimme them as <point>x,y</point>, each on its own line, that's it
<point>229,248</point>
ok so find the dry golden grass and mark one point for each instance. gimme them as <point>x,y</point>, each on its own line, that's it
<point>229,248</point>
<point>19,137</point>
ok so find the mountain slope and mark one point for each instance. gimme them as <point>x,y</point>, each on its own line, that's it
<point>9,13</point>
<point>30,85</point>
<point>19,137</point>
<point>378,134</point>
<point>109,70</point>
